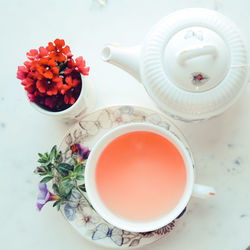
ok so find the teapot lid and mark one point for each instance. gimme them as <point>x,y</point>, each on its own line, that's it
<point>194,64</point>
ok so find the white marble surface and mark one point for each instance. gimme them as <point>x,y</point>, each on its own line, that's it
<point>221,146</point>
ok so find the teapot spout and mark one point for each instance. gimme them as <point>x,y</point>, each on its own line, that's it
<point>126,58</point>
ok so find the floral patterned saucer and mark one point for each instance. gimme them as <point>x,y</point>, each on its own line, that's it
<point>77,211</point>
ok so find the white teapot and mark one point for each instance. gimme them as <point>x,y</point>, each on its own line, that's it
<point>193,63</point>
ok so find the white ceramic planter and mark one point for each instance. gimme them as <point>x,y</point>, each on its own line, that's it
<point>84,103</point>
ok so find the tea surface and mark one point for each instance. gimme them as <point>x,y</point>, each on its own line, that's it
<point>140,176</point>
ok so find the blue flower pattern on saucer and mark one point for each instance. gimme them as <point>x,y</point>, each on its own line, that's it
<point>69,212</point>
<point>103,231</point>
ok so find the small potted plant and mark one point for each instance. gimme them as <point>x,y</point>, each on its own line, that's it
<point>54,80</point>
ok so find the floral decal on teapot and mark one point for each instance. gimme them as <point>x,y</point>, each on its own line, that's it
<point>194,34</point>
<point>199,78</point>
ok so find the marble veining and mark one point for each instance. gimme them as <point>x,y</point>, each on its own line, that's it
<point>3,125</point>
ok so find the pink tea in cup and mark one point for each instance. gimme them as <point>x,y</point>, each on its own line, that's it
<point>140,176</point>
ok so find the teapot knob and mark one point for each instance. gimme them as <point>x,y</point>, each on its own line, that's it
<point>197,51</point>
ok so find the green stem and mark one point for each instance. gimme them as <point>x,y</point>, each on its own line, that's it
<point>84,196</point>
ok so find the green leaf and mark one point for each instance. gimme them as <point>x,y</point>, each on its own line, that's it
<point>42,174</point>
<point>55,188</point>
<point>82,187</point>
<point>59,205</point>
<point>79,168</point>
<point>80,177</point>
<point>47,179</point>
<point>42,160</point>
<point>53,152</point>
<point>68,188</point>
<point>65,187</point>
<point>62,171</point>
<point>55,203</point>
<point>67,197</point>
<point>48,166</point>
<point>66,179</point>
<point>58,157</point>
<point>51,173</point>
<point>64,168</point>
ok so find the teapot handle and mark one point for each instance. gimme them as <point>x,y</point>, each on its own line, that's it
<point>187,54</point>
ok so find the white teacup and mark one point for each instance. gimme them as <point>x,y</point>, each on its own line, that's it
<point>101,191</point>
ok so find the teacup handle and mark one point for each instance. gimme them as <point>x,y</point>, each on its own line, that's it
<point>202,191</point>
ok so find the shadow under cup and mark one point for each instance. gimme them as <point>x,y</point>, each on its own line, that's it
<point>139,177</point>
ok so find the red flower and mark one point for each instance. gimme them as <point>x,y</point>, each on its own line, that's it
<point>72,82</point>
<point>69,98</point>
<point>50,101</point>
<point>32,54</point>
<point>72,94</point>
<point>80,66</point>
<point>51,76</point>
<point>70,66</point>
<point>30,81</point>
<point>31,97</point>
<point>48,86</point>
<point>47,68</point>
<point>63,87</point>
<point>43,52</point>
<point>58,52</point>
<point>29,84</point>
<point>69,83</point>
<point>22,72</point>
<point>29,65</point>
